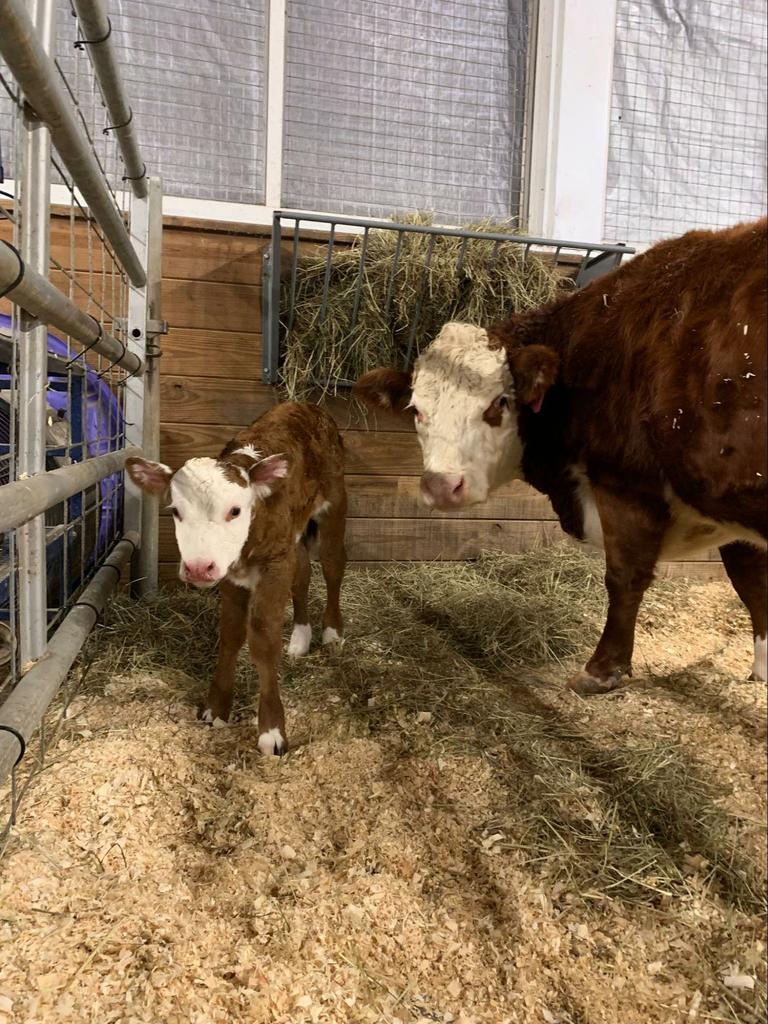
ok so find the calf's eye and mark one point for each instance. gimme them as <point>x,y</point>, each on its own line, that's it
<point>502,402</point>
<point>175,513</point>
<point>233,513</point>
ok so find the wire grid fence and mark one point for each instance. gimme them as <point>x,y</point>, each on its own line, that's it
<point>688,117</point>
<point>282,272</point>
<point>85,391</point>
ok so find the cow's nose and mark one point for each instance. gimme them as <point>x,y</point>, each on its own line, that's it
<point>443,489</point>
<point>199,571</point>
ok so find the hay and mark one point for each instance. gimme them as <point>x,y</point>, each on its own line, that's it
<point>453,837</point>
<point>321,351</point>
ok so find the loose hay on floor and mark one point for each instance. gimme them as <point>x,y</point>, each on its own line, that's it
<point>454,837</point>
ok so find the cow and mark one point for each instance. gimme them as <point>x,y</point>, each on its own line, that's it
<point>637,405</point>
<point>248,521</point>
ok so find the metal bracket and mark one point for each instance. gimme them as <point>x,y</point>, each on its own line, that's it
<point>156,327</point>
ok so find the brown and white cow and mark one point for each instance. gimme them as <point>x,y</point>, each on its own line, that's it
<point>247,521</point>
<point>638,406</point>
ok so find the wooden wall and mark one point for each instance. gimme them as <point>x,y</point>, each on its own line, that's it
<point>211,373</point>
<point>211,386</point>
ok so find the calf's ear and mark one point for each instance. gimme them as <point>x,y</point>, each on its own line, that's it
<point>384,389</point>
<point>534,371</point>
<point>265,473</point>
<point>152,477</point>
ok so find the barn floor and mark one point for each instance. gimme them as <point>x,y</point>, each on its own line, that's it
<point>453,837</point>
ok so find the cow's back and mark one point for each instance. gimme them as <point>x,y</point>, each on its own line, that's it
<point>665,363</point>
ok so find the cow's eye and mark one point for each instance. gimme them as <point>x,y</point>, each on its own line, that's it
<point>175,513</point>
<point>503,402</point>
<point>233,513</point>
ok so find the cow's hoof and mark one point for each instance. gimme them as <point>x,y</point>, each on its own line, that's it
<point>301,638</point>
<point>332,638</point>
<point>206,716</point>
<point>272,742</point>
<point>587,685</point>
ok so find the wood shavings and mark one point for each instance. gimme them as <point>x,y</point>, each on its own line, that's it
<point>385,871</point>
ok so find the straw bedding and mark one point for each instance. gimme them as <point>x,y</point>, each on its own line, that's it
<point>401,302</point>
<point>454,837</point>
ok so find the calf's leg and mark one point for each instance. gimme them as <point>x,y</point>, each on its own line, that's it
<point>333,559</point>
<point>747,569</point>
<point>632,534</point>
<point>232,626</point>
<point>265,642</point>
<point>301,637</point>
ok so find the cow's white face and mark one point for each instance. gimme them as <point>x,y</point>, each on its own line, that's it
<point>466,421</point>
<point>212,504</point>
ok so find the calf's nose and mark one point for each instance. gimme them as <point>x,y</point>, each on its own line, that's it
<point>443,489</point>
<point>199,571</point>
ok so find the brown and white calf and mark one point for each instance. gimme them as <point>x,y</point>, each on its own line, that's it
<point>247,521</point>
<point>638,406</point>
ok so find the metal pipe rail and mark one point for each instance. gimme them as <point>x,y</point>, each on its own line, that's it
<point>97,33</point>
<point>23,712</point>
<point>37,76</point>
<point>22,500</point>
<point>38,296</point>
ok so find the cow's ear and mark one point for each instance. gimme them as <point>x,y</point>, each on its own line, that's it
<point>152,477</point>
<point>384,389</point>
<point>265,474</point>
<point>521,329</point>
<point>534,371</point>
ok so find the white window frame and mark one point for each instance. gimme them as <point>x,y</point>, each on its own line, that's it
<point>568,127</point>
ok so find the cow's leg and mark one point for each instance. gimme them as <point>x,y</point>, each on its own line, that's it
<point>747,569</point>
<point>333,559</point>
<point>265,641</point>
<point>301,637</point>
<point>233,614</point>
<point>632,535</point>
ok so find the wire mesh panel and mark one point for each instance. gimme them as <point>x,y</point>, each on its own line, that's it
<point>689,115</point>
<point>404,106</point>
<point>70,349</point>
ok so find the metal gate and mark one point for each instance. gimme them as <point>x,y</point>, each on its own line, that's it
<point>78,380</point>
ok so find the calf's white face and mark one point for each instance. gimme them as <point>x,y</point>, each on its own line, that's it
<point>212,503</point>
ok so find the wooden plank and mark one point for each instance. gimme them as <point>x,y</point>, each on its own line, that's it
<point>423,539</point>
<point>203,399</point>
<point>207,256</point>
<point>212,305</point>
<point>211,354</point>
<point>384,453</point>
<point>398,497</point>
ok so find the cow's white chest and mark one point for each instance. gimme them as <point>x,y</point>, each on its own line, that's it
<point>689,532</point>
<point>246,576</point>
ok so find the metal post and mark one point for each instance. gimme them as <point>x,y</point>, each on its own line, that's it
<point>148,555</point>
<point>142,395</point>
<point>35,186</point>
<point>97,33</point>
<point>270,297</point>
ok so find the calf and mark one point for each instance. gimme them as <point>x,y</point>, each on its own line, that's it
<point>247,521</point>
<point>638,406</point>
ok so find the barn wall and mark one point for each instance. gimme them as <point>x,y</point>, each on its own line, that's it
<point>210,386</point>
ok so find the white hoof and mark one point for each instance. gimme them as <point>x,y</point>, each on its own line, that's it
<point>760,667</point>
<point>331,636</point>
<point>301,638</point>
<point>215,723</point>
<point>272,742</point>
